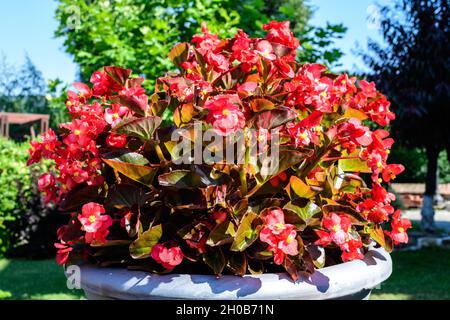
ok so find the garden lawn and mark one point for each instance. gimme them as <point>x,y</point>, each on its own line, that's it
<point>420,274</point>
<point>29,279</point>
<point>417,275</point>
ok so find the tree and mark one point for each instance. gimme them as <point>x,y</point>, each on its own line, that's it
<point>412,69</point>
<point>138,34</point>
<point>22,89</point>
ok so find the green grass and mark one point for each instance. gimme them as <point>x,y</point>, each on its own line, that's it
<point>420,274</point>
<point>417,275</point>
<point>28,279</point>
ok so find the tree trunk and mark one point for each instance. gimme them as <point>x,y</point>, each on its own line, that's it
<point>431,185</point>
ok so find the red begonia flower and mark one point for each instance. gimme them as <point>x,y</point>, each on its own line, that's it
<point>169,258</point>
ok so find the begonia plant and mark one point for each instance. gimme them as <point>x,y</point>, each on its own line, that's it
<point>136,201</point>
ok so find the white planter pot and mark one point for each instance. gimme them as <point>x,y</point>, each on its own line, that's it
<point>350,280</point>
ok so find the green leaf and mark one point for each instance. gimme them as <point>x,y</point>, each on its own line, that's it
<point>306,212</point>
<point>222,234</point>
<point>353,165</point>
<point>246,233</point>
<point>132,165</point>
<point>142,246</point>
<point>142,128</point>
<point>216,260</point>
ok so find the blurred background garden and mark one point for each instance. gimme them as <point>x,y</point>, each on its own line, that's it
<point>402,45</point>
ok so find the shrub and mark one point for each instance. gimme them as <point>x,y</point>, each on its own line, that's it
<point>26,223</point>
<point>15,181</point>
<point>415,162</point>
<point>147,189</point>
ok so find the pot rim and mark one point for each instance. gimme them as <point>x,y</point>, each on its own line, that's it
<point>341,280</point>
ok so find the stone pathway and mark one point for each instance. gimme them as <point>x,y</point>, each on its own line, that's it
<point>442,218</point>
<point>418,239</point>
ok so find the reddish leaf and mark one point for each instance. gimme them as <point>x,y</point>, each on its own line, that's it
<point>132,165</point>
<point>81,195</point>
<point>274,118</point>
<point>120,75</point>
<point>377,234</point>
<point>179,54</point>
<point>142,128</point>
<point>261,104</point>
<point>138,104</point>
<point>216,260</point>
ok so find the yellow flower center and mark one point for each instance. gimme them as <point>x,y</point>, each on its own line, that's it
<point>92,218</point>
<point>336,228</point>
<point>304,135</point>
<point>279,226</point>
<point>77,132</point>
<point>75,174</point>
<point>289,239</point>
<point>401,229</point>
<point>116,115</point>
<point>189,71</point>
<point>226,112</point>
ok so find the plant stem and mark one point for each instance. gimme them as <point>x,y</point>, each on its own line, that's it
<point>214,82</point>
<point>243,178</point>
<point>340,158</point>
<point>160,153</point>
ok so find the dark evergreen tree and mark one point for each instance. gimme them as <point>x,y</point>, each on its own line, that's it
<point>412,69</point>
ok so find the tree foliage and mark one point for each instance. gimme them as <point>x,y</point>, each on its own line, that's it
<point>22,89</point>
<point>138,34</point>
<point>412,69</point>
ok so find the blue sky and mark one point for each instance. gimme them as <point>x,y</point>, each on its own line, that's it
<point>28,26</point>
